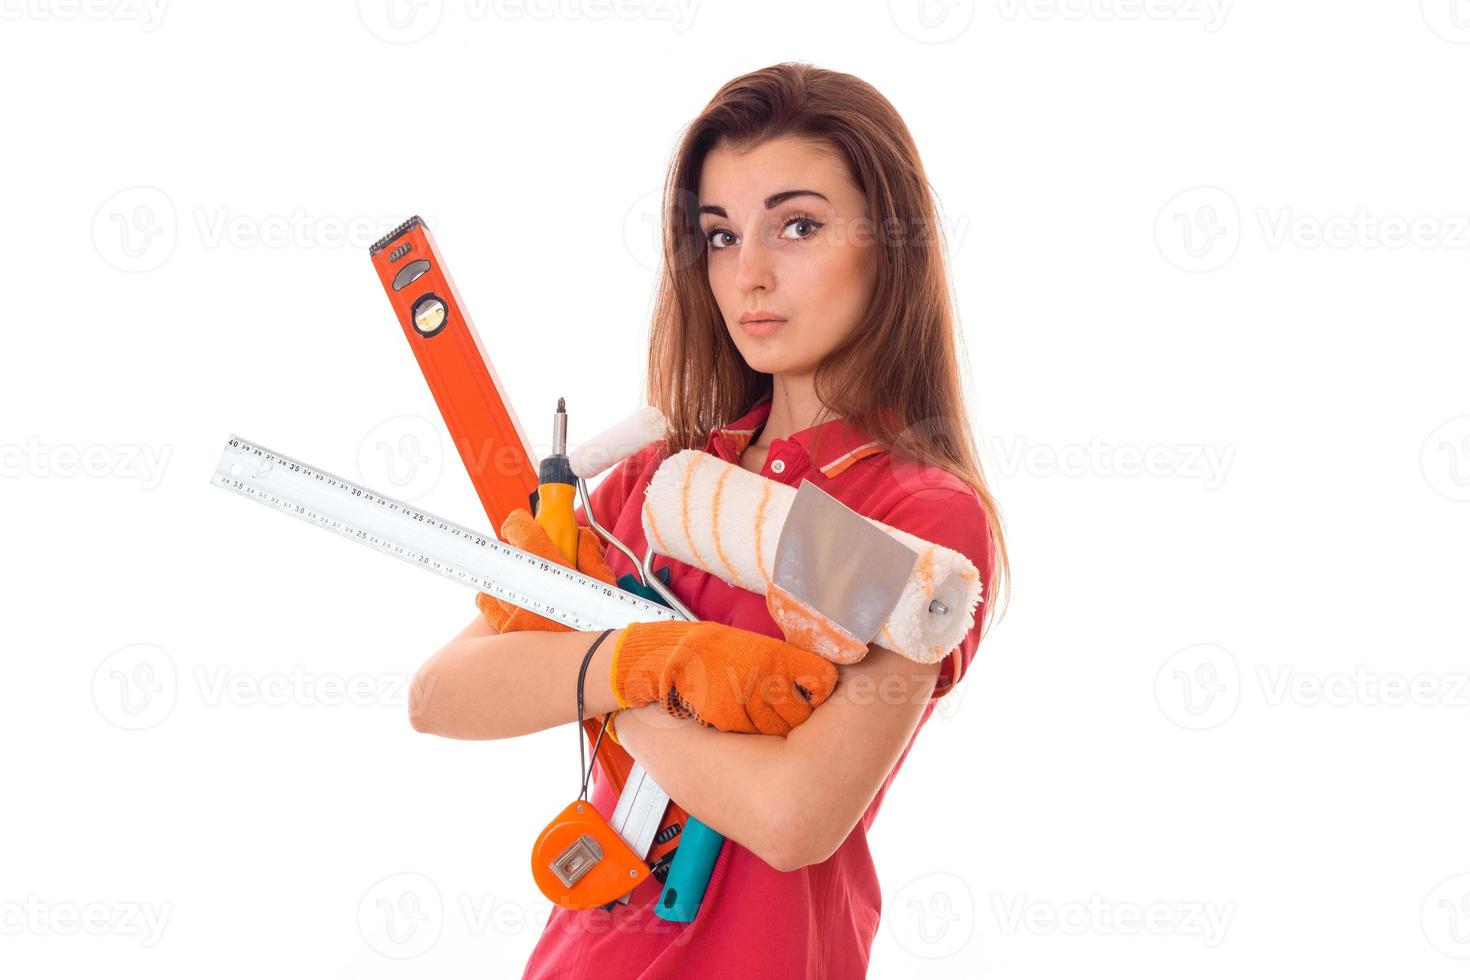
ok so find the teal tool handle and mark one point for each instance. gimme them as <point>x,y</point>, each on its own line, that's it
<point>689,872</point>
<point>699,846</point>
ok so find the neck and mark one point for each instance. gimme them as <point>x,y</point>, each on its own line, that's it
<point>794,406</point>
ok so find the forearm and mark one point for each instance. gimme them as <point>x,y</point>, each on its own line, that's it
<point>503,685</point>
<point>736,783</point>
<point>791,800</point>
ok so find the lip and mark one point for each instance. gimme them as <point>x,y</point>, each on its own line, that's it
<point>759,323</point>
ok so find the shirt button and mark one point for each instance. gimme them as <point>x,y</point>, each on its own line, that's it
<point>779,466</point>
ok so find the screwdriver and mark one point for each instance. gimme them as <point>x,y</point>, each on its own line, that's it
<point>556,495</point>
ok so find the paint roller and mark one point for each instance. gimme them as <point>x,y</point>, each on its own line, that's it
<point>602,451</point>
<point>724,519</point>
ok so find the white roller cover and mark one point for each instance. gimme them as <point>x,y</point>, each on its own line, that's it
<point>727,520</point>
<point>613,445</point>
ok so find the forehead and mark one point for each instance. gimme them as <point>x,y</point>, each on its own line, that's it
<point>742,180</point>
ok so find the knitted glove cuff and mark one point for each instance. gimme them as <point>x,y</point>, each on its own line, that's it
<point>491,608</point>
<point>640,659</point>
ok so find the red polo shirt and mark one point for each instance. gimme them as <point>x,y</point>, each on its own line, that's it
<point>757,922</point>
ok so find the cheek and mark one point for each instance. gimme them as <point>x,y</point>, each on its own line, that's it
<point>836,284</point>
<point>721,272</point>
<point>834,270</point>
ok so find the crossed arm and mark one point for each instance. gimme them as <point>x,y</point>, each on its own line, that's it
<point>792,800</point>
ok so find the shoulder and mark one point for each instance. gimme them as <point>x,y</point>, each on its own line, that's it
<point>932,503</point>
<point>937,506</point>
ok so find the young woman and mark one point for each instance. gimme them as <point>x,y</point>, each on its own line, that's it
<point>804,330</point>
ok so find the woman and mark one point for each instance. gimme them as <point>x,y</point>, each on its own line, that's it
<point>804,330</point>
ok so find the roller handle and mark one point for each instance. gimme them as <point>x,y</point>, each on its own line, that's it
<point>689,872</point>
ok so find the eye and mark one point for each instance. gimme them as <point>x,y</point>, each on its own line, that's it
<point>714,235</point>
<point>800,219</point>
<point>714,240</point>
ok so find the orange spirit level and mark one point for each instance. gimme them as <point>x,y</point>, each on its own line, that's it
<point>483,426</point>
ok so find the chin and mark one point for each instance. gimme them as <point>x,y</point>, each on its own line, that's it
<point>773,365</point>
<point>767,361</point>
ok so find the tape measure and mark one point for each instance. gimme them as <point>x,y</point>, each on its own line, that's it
<point>461,555</point>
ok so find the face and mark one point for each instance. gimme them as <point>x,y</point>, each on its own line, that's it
<point>787,236</point>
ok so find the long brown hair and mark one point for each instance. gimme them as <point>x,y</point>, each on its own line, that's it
<point>898,375</point>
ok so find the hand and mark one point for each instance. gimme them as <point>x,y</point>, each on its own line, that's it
<point>722,676</point>
<point>520,530</point>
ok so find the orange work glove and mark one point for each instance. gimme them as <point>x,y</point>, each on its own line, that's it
<point>722,676</point>
<point>520,530</point>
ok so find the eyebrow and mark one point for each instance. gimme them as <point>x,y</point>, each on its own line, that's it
<point>770,202</point>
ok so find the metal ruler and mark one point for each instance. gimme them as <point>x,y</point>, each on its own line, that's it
<point>422,539</point>
<point>639,811</point>
<point>460,555</point>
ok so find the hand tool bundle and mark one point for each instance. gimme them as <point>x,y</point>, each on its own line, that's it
<point>834,582</point>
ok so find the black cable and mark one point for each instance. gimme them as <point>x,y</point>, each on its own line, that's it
<point>582,766</point>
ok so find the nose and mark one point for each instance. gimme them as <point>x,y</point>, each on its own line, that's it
<point>756,269</point>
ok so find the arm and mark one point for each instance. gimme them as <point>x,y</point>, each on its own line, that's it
<point>484,684</point>
<point>791,800</point>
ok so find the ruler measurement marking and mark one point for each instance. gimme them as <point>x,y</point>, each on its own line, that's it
<point>577,600</point>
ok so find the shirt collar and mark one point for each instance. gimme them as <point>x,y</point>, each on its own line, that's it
<point>832,446</point>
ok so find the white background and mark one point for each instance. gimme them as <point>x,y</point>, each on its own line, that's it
<point>1222,730</point>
